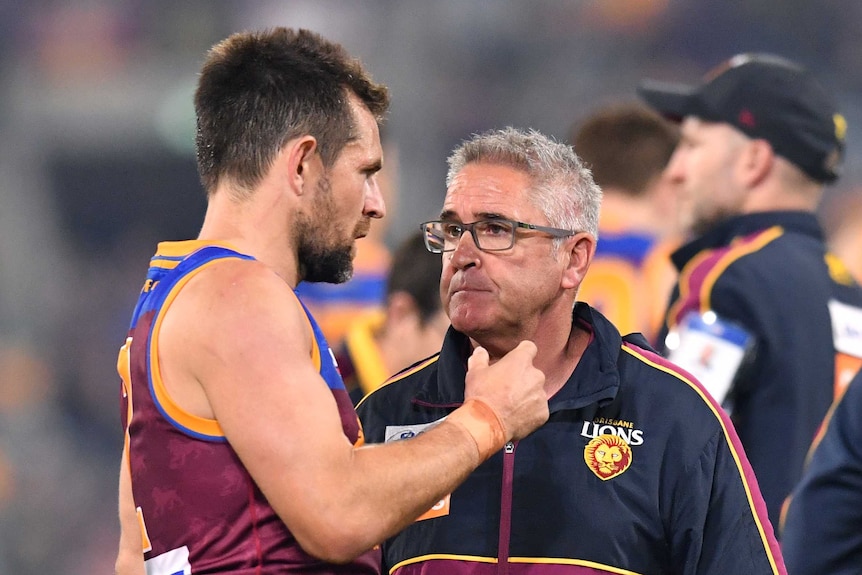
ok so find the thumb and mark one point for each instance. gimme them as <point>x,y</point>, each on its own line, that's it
<point>479,358</point>
<point>529,348</point>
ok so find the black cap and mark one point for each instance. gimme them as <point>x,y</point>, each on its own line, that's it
<point>766,97</point>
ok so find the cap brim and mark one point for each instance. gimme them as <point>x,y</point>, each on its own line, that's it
<point>674,101</point>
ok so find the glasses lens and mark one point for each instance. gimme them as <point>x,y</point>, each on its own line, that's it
<point>434,237</point>
<point>494,234</point>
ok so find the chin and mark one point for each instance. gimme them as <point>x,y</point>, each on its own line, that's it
<point>468,323</point>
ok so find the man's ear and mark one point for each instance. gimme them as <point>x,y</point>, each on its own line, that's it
<point>757,161</point>
<point>302,162</point>
<point>399,305</point>
<point>581,249</point>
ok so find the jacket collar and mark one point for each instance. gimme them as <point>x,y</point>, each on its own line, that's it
<point>726,231</point>
<point>595,378</point>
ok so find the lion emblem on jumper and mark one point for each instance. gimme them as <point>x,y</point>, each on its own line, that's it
<point>608,456</point>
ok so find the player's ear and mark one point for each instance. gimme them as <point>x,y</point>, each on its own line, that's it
<point>301,161</point>
<point>579,251</point>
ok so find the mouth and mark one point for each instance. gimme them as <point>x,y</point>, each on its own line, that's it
<point>468,295</point>
<point>468,290</point>
<point>467,281</point>
<point>362,230</point>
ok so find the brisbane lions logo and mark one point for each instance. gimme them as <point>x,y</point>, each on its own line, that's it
<point>608,456</point>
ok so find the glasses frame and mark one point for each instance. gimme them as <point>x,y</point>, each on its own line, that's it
<point>554,232</point>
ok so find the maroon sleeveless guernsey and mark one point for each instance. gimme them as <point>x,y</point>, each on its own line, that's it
<point>199,509</point>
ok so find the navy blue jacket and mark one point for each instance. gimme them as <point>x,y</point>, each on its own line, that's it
<point>637,471</point>
<point>823,527</point>
<point>770,273</point>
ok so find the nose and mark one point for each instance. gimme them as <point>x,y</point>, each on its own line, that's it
<point>375,206</point>
<point>675,169</point>
<point>466,252</point>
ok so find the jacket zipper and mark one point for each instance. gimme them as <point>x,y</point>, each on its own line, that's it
<point>506,509</point>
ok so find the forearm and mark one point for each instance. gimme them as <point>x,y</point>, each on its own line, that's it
<point>129,563</point>
<point>130,556</point>
<point>388,486</point>
<point>423,470</point>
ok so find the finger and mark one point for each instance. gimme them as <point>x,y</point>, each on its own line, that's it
<point>479,358</point>
<point>528,347</point>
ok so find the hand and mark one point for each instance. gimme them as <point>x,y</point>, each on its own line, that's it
<point>512,388</point>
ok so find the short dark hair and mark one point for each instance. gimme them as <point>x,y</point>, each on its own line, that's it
<point>625,146</point>
<point>257,90</point>
<point>416,271</point>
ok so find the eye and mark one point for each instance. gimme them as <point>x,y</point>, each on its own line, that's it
<point>494,228</point>
<point>450,230</point>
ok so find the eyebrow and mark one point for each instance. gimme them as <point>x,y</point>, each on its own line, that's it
<point>450,215</point>
<point>373,167</point>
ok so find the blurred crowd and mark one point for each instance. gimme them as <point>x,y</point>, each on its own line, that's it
<point>97,165</point>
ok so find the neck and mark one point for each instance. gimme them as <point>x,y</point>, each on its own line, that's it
<point>558,369</point>
<point>784,190</point>
<point>250,225</point>
<point>560,347</point>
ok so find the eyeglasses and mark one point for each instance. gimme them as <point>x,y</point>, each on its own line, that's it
<point>489,235</point>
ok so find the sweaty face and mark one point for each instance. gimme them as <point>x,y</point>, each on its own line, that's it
<point>703,166</point>
<point>500,294</point>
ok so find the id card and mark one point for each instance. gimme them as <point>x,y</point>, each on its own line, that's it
<point>402,432</point>
<point>711,349</point>
<point>847,335</point>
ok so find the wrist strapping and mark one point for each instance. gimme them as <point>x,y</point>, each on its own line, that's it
<point>483,424</point>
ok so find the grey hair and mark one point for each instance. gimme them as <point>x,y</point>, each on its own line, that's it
<point>563,188</point>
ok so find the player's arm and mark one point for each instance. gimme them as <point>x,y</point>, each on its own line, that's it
<point>130,557</point>
<point>246,340</point>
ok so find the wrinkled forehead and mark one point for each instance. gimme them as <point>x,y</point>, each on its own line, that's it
<point>483,190</point>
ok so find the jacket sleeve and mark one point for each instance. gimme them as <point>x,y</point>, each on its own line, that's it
<point>823,527</point>
<point>719,523</point>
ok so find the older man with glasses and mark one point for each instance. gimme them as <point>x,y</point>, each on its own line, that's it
<point>637,470</point>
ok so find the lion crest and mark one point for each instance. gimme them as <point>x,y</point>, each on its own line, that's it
<point>608,456</point>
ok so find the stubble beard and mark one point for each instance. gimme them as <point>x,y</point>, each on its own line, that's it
<point>319,261</point>
<point>705,222</point>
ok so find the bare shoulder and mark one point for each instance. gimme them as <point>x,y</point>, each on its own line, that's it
<point>241,300</point>
<point>221,327</point>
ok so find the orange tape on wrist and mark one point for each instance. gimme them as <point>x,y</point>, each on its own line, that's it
<point>483,424</point>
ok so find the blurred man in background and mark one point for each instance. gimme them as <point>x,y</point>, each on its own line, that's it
<point>842,219</point>
<point>627,148</point>
<point>410,327</point>
<point>760,313</point>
